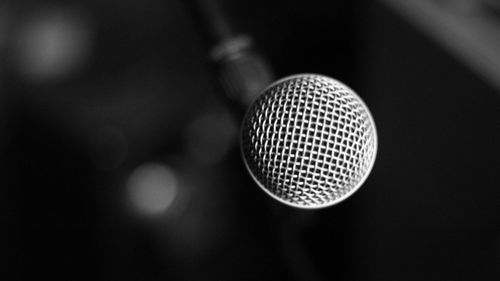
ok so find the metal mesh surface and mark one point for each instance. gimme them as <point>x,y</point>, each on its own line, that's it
<point>309,141</point>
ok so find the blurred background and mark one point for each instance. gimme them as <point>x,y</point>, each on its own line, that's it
<point>119,157</point>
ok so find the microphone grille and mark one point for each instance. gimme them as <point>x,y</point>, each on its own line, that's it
<point>309,141</point>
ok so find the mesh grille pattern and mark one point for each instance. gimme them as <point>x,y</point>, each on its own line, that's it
<point>309,141</point>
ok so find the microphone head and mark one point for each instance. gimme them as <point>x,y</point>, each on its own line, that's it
<point>309,141</point>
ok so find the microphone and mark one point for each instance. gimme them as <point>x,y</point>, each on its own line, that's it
<point>309,141</point>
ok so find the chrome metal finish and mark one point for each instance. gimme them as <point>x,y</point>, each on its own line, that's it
<point>309,141</point>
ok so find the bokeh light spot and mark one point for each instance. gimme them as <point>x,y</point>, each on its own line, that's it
<point>152,188</point>
<point>53,44</point>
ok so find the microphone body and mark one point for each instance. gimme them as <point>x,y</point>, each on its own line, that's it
<point>240,69</point>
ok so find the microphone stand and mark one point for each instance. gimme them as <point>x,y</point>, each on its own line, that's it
<point>242,72</point>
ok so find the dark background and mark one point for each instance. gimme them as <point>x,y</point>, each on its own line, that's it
<point>138,89</point>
